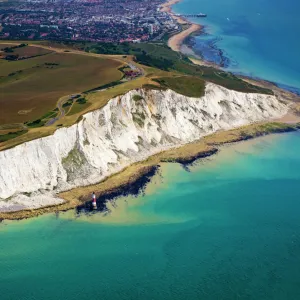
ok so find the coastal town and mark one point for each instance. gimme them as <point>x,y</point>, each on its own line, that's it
<point>89,20</point>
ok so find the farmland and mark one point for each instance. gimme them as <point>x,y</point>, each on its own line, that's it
<point>31,87</point>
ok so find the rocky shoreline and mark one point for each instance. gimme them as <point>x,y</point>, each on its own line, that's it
<point>134,186</point>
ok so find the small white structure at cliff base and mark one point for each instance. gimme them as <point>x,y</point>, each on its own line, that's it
<point>94,203</point>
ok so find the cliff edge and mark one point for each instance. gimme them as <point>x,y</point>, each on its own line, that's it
<point>128,129</point>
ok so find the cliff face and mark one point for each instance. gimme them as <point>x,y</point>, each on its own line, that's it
<point>128,129</point>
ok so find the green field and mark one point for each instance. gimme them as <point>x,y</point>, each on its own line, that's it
<point>31,87</point>
<point>184,85</point>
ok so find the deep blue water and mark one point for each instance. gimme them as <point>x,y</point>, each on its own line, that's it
<point>228,229</point>
<point>260,38</point>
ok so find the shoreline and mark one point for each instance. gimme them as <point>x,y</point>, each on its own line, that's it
<point>177,43</point>
<point>167,7</point>
<point>177,40</point>
<point>133,179</point>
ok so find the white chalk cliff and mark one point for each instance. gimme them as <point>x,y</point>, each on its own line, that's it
<point>126,130</point>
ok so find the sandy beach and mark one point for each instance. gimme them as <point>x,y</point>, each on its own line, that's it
<point>167,7</point>
<point>176,41</point>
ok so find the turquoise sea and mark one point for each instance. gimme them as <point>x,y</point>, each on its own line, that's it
<point>228,227</point>
<point>259,38</point>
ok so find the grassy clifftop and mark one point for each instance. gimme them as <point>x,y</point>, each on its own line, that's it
<point>40,84</point>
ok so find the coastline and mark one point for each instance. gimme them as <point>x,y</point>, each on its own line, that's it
<point>137,175</point>
<point>176,41</point>
<point>167,7</point>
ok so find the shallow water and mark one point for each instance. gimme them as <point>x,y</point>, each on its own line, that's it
<point>258,38</point>
<point>227,229</point>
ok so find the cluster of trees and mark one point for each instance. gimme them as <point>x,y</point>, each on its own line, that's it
<point>11,49</point>
<point>81,100</point>
<point>12,57</point>
<point>34,123</point>
<point>51,64</point>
